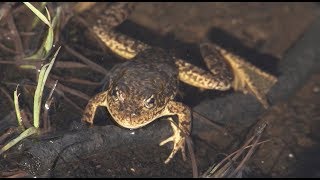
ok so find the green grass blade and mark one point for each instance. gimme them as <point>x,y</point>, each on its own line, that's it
<point>23,135</point>
<point>44,73</point>
<point>57,17</point>
<point>45,47</point>
<point>51,64</point>
<point>17,108</point>
<point>48,14</point>
<point>38,97</point>
<point>49,41</point>
<point>47,44</point>
<point>36,19</point>
<point>38,13</point>
<point>27,67</point>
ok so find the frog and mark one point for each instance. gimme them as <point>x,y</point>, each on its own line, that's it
<point>143,89</point>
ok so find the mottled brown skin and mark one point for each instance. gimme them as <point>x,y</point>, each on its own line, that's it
<point>220,77</point>
<point>143,89</point>
<point>139,90</point>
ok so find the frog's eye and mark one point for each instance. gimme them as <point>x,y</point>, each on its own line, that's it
<point>150,102</point>
<point>115,93</point>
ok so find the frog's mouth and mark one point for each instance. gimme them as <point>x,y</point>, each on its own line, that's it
<point>130,122</point>
<point>126,120</point>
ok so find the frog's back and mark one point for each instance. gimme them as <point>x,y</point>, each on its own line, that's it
<point>159,60</point>
<point>152,70</point>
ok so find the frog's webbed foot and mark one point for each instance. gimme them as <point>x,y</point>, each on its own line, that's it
<point>178,143</point>
<point>247,78</point>
<point>180,131</point>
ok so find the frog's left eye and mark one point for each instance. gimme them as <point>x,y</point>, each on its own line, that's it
<point>150,102</point>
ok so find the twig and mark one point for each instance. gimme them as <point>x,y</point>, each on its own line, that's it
<point>16,36</point>
<point>61,92</point>
<point>69,64</point>
<point>228,165</point>
<point>73,104</point>
<point>89,51</point>
<point>19,9</point>
<point>248,155</point>
<point>65,15</point>
<point>195,173</point>
<point>46,123</point>
<point>206,120</point>
<point>61,89</point>
<point>17,174</point>
<point>82,6</point>
<point>28,33</point>
<point>26,117</point>
<point>84,22</point>
<point>5,9</point>
<point>8,133</point>
<point>7,95</point>
<point>69,90</point>
<point>76,80</point>
<point>36,63</point>
<point>85,60</point>
<point>224,170</point>
<point>9,50</point>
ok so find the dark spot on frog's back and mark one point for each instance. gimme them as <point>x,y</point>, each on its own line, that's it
<point>157,56</point>
<point>154,66</point>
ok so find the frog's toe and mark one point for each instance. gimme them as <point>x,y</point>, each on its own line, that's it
<point>167,140</point>
<point>178,143</point>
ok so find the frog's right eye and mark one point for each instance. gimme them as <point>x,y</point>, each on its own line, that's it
<point>115,93</point>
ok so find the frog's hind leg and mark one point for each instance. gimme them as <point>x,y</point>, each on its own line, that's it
<point>120,44</point>
<point>221,75</point>
<point>246,78</point>
<point>112,15</point>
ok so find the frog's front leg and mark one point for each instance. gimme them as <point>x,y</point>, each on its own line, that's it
<point>90,110</point>
<point>180,131</point>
